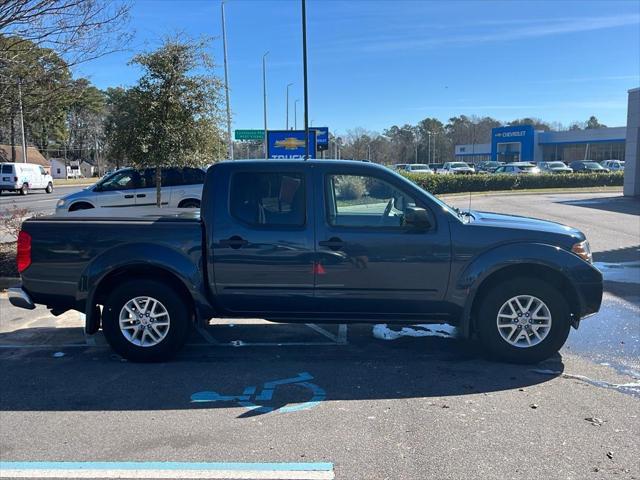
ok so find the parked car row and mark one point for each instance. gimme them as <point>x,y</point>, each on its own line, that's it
<point>513,168</point>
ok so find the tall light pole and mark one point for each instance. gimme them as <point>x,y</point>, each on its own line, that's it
<point>264,90</point>
<point>433,148</point>
<point>295,114</point>
<point>226,84</point>
<point>288,85</point>
<point>429,148</point>
<point>304,63</point>
<point>24,141</point>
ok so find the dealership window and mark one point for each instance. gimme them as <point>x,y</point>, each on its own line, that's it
<point>509,152</point>
<point>570,152</point>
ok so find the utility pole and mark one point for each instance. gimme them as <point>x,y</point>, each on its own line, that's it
<point>295,114</point>
<point>429,148</point>
<point>95,139</point>
<point>433,148</point>
<point>304,63</point>
<point>24,141</point>
<point>226,84</point>
<point>264,90</point>
<point>287,123</point>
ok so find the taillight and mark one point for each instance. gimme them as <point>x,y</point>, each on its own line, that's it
<point>15,179</point>
<point>24,251</point>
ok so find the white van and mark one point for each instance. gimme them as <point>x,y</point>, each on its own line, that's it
<point>22,177</point>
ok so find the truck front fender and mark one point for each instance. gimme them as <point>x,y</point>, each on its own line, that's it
<point>523,259</point>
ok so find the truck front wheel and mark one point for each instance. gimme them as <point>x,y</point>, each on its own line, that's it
<point>145,321</point>
<point>524,320</point>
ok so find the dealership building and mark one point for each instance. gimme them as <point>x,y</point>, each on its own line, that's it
<point>523,143</point>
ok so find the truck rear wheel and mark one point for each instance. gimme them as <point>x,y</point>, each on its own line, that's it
<point>524,320</point>
<point>145,321</point>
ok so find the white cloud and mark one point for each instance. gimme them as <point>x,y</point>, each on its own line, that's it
<point>535,29</point>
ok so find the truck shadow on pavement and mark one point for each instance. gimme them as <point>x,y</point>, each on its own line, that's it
<point>616,204</point>
<point>255,380</point>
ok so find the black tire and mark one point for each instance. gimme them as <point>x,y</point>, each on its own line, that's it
<point>499,348</point>
<point>49,188</point>
<point>80,206</point>
<point>189,204</point>
<point>179,323</point>
<point>24,190</point>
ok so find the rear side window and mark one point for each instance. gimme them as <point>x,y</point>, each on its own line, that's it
<point>7,168</point>
<point>268,199</point>
<point>193,176</point>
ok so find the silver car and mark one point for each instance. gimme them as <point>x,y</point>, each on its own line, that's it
<point>128,187</point>
<point>518,168</point>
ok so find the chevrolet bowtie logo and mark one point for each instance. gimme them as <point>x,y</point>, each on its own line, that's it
<point>290,143</point>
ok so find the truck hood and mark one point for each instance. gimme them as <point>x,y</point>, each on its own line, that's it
<point>515,222</point>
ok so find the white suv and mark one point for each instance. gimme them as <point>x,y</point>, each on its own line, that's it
<point>613,165</point>
<point>127,187</point>
<point>22,177</point>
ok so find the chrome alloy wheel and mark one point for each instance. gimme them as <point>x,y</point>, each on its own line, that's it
<point>144,321</point>
<point>524,321</point>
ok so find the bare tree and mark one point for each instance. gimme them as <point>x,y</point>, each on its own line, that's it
<point>75,30</point>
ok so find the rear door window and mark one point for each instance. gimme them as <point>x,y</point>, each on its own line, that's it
<point>268,198</point>
<point>7,168</point>
<point>193,176</point>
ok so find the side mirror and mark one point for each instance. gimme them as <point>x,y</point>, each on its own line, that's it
<point>417,217</point>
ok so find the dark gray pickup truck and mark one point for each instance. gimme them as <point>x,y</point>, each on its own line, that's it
<point>314,241</point>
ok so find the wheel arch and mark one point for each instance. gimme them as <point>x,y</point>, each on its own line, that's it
<point>542,272</point>
<point>135,271</point>
<point>143,260</point>
<point>80,202</point>
<point>547,262</point>
<point>188,200</point>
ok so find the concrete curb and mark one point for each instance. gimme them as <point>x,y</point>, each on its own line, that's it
<point>6,282</point>
<point>538,191</point>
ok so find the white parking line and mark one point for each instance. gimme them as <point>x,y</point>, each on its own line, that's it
<point>167,470</point>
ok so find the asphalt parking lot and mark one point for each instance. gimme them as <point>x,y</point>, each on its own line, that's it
<point>386,403</point>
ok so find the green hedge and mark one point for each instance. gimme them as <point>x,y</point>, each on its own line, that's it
<point>439,184</point>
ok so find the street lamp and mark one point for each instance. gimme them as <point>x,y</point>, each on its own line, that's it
<point>264,90</point>
<point>295,114</point>
<point>304,70</point>
<point>288,85</point>
<point>226,84</point>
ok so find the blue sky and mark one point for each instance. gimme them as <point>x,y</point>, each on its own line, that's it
<point>373,64</point>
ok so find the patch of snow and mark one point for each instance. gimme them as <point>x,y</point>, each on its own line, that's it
<point>626,272</point>
<point>383,332</point>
